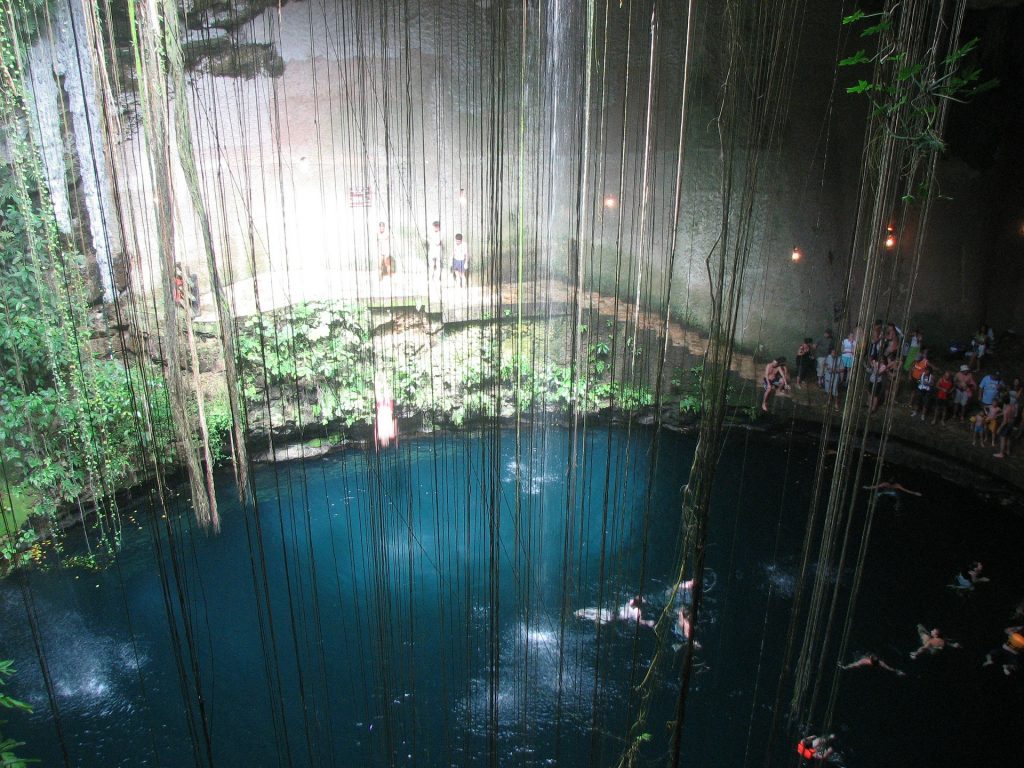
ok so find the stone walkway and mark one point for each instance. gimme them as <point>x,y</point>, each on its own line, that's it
<point>936,445</point>
<point>413,290</point>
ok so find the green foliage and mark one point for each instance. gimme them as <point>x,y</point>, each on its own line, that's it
<point>69,425</point>
<point>321,352</point>
<point>19,549</point>
<point>687,383</point>
<point>218,427</point>
<point>908,87</point>
<point>8,759</point>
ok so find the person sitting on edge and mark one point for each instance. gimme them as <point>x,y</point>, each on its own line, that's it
<point>931,641</point>
<point>871,661</point>
<point>774,380</point>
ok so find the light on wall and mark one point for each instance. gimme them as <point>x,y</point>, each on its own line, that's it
<point>890,237</point>
<point>610,201</point>
<point>795,255</point>
<point>462,197</point>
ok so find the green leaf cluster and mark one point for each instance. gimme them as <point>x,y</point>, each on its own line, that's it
<point>908,87</point>
<point>318,353</point>
<point>8,759</point>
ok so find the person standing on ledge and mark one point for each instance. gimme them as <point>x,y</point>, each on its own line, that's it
<point>460,261</point>
<point>434,241</point>
<point>387,261</point>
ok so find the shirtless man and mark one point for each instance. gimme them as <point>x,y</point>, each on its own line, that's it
<point>774,380</point>
<point>931,641</point>
<point>965,386</point>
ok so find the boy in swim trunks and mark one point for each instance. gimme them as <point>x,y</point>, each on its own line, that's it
<point>774,380</point>
<point>460,261</point>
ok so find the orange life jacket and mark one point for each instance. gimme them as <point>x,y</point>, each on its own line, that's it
<point>806,752</point>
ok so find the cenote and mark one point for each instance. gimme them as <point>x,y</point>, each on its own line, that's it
<point>417,607</point>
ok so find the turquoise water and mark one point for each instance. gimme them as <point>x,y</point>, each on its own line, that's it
<point>417,608</point>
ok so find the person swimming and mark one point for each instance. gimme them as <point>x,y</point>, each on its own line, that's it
<point>889,488</point>
<point>965,583</point>
<point>631,611</point>
<point>816,748</point>
<point>871,661</point>
<point>932,641</point>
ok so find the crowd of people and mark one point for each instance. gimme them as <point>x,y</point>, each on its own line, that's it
<point>960,387</point>
<point>951,388</point>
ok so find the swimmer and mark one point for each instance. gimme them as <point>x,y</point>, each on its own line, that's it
<point>889,488</point>
<point>684,622</point>
<point>817,748</point>
<point>631,611</point>
<point>931,641</point>
<point>1008,653</point>
<point>871,661</point>
<point>966,583</point>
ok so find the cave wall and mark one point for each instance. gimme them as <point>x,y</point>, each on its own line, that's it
<point>421,112</point>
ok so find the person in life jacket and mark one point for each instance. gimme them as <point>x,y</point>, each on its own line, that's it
<point>805,749</point>
<point>815,747</point>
